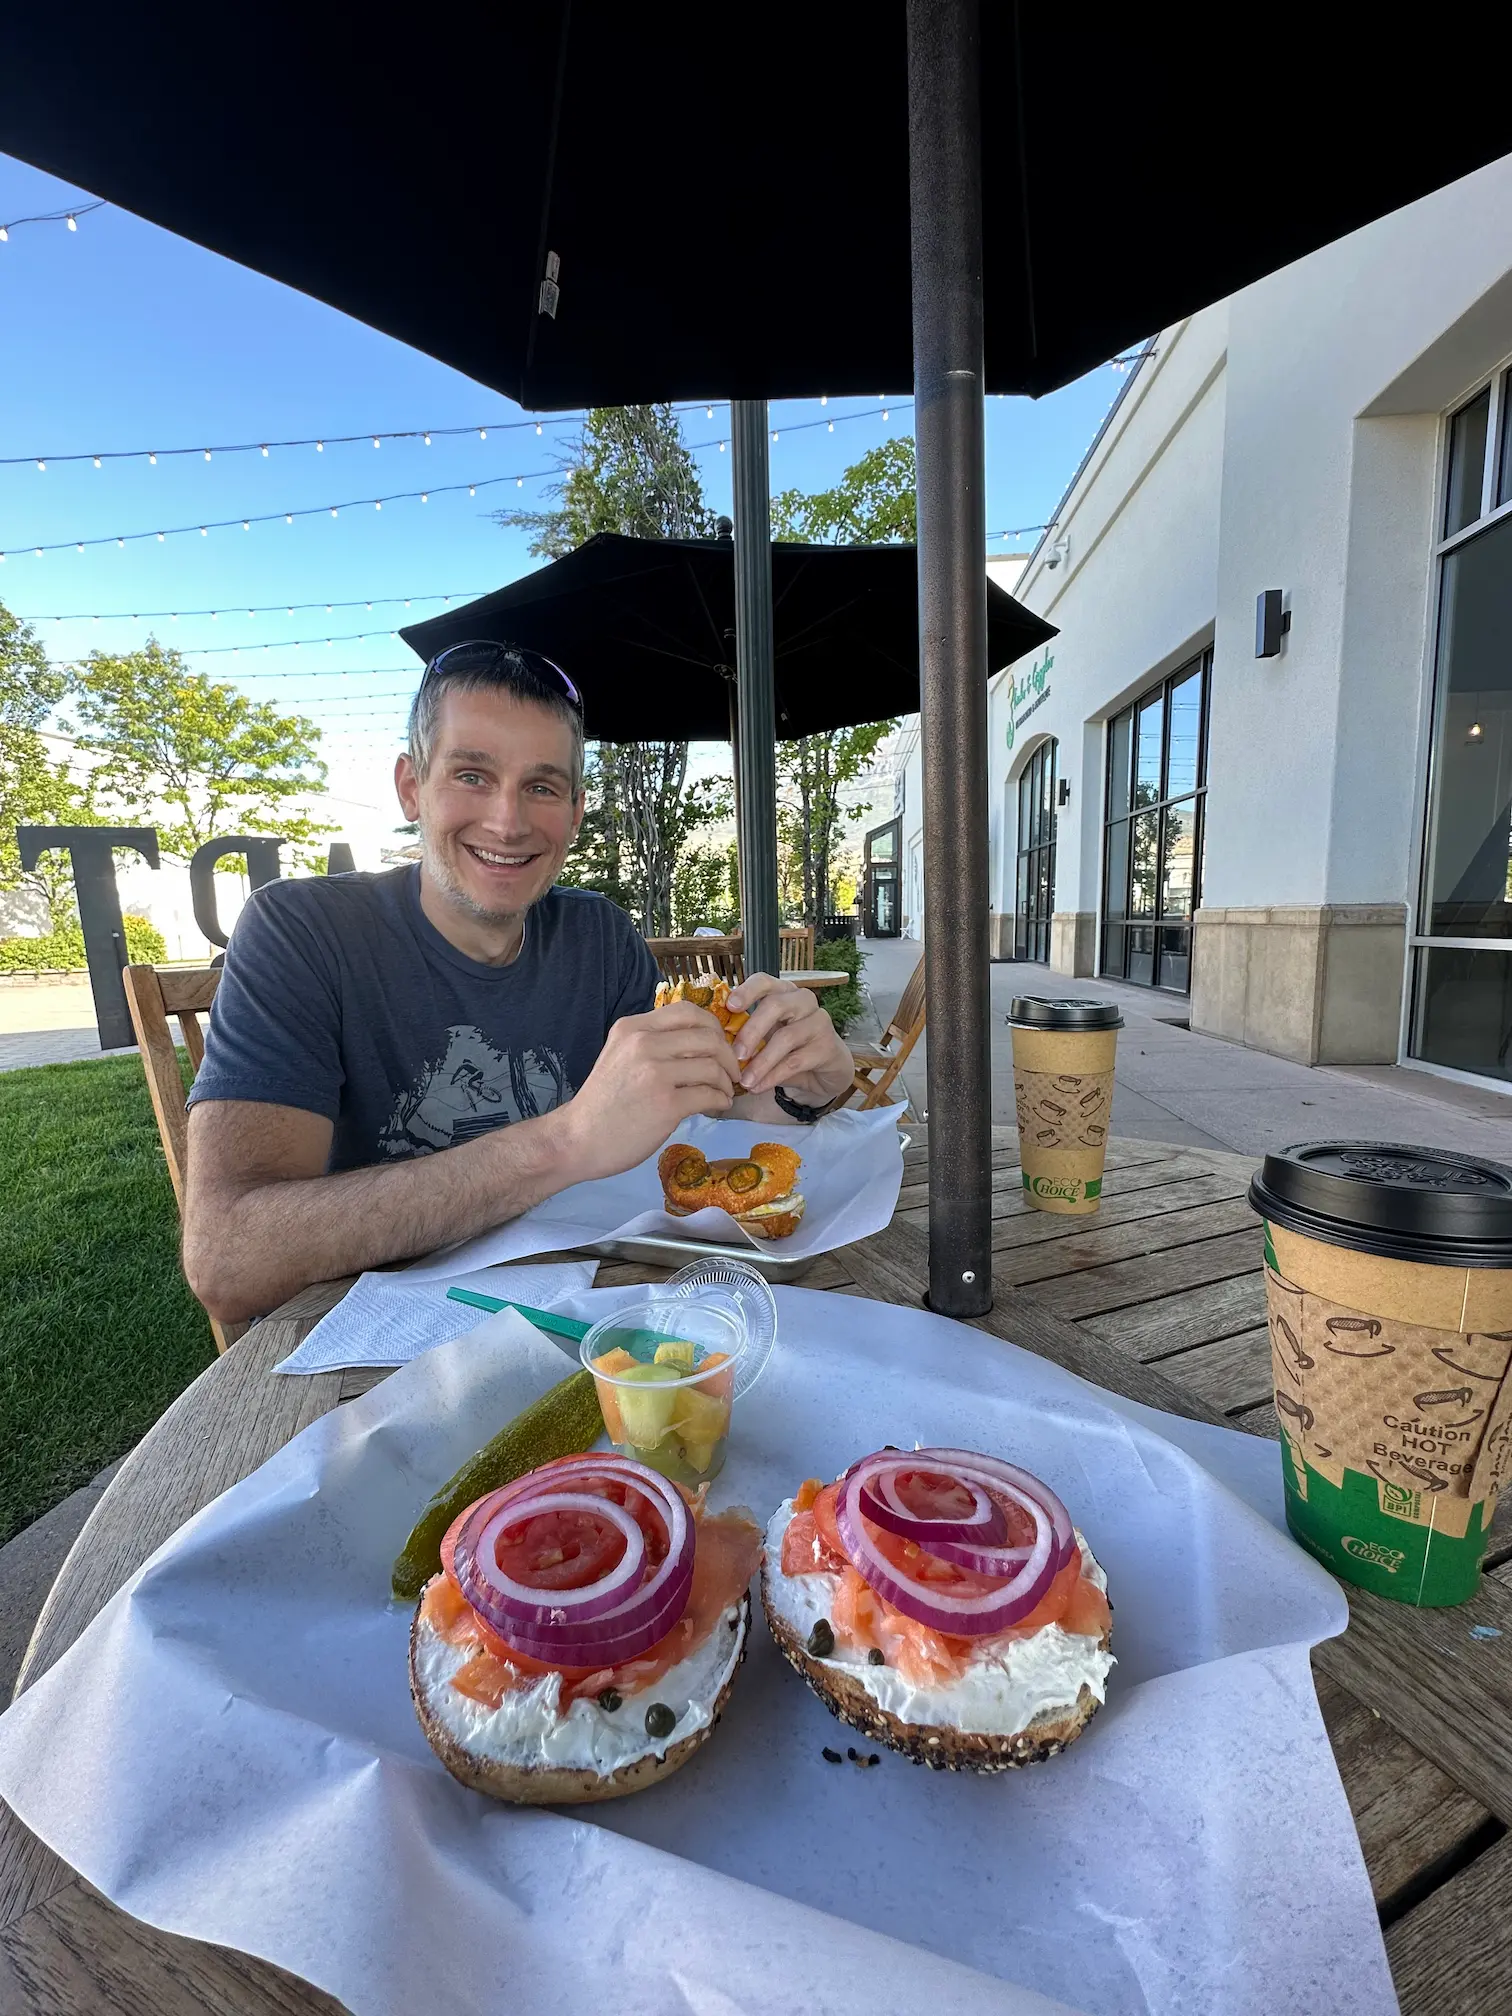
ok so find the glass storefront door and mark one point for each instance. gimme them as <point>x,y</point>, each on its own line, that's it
<point>1034,893</point>
<point>1461,999</point>
<point>1152,848</point>
<point>879,900</point>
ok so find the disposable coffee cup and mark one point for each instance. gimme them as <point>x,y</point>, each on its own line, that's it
<point>1063,1089</point>
<point>1388,1282</point>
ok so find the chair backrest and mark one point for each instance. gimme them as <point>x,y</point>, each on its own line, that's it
<point>699,958</point>
<point>908,1016</point>
<point>796,948</point>
<point>185,993</point>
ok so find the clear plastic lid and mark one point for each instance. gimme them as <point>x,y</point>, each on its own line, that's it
<point>735,1287</point>
<point>716,1305</point>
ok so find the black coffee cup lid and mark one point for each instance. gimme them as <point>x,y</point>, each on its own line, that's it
<point>1395,1201</point>
<point>1039,1011</point>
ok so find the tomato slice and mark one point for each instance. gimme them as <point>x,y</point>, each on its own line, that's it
<point>560,1550</point>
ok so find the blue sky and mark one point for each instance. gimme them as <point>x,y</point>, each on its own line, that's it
<point>121,336</point>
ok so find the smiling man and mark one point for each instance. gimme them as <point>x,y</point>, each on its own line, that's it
<point>366,1023</point>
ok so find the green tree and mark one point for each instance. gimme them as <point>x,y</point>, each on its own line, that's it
<point>813,774</point>
<point>171,739</point>
<point>34,790</point>
<point>702,892</point>
<point>873,504</point>
<point>629,471</point>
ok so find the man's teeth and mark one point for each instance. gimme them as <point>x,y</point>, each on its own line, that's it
<point>501,860</point>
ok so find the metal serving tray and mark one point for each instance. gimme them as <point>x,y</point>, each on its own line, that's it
<point>673,1252</point>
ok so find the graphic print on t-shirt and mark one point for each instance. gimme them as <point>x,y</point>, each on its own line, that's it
<point>469,1091</point>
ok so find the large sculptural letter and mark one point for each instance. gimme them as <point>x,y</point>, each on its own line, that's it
<point>89,848</point>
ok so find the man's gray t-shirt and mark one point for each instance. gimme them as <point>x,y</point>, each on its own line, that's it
<point>339,996</point>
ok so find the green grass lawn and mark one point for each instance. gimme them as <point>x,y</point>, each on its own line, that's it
<point>98,1331</point>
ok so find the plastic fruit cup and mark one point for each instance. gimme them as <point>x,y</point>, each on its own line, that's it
<point>667,1403</point>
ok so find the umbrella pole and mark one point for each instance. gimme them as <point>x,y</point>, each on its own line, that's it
<point>945,192</point>
<point>755,755</point>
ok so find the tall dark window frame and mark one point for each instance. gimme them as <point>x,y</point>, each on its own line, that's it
<point>1034,865</point>
<point>1154,814</point>
<point>1460,982</point>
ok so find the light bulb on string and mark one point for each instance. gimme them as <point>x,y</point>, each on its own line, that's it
<point>538,426</point>
<point>160,540</point>
<point>4,235</point>
<point>288,517</point>
<point>519,482</point>
<point>81,546</point>
<point>824,398</point>
<point>97,461</point>
<point>472,489</point>
<point>721,447</point>
<point>42,466</point>
<point>832,426</point>
<point>377,503</point>
<point>775,435</point>
<point>377,441</point>
<point>320,447</point>
<point>153,460</point>
<point>246,524</point>
<point>424,499</point>
<point>333,510</point>
<point>427,440</point>
<point>204,532</point>
<point>884,413</point>
<point>207,454</point>
<point>120,542</point>
<point>72,222</point>
<point>265,448</point>
<point>39,549</point>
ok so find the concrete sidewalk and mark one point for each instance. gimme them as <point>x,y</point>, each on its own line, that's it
<point>48,1025</point>
<point>1199,1091</point>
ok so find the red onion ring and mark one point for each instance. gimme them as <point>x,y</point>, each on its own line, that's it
<point>1028,1573</point>
<point>985,1526</point>
<point>609,1621</point>
<point>993,1468</point>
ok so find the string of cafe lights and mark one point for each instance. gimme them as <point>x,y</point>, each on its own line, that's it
<point>519,478</point>
<point>377,436</point>
<point>69,217</point>
<point>259,609</point>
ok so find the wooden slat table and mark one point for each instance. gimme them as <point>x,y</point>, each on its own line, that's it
<point>1158,1297</point>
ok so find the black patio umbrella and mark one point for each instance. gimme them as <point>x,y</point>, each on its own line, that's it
<point>575,201</point>
<point>646,630</point>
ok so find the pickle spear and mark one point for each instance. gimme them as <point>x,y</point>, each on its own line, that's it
<point>565,1421</point>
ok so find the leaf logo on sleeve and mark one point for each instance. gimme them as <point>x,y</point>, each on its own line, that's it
<point>470,1090</point>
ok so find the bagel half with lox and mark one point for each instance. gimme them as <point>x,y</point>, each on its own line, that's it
<point>759,1190</point>
<point>942,1603</point>
<point>584,1633</point>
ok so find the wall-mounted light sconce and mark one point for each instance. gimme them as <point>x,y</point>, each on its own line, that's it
<point>1271,622</point>
<point>1474,732</point>
<point>1063,792</point>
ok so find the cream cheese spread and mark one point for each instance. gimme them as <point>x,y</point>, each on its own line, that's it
<point>528,1731</point>
<point>1002,1690</point>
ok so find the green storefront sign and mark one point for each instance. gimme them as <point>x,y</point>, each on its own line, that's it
<point>1028,693</point>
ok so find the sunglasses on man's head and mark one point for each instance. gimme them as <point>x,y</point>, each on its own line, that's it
<point>482,657</point>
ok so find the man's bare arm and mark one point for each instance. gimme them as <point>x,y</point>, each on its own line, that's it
<point>262,1219</point>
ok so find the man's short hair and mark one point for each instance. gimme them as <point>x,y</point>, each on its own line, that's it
<point>494,668</point>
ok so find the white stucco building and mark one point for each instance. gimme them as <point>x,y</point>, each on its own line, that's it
<point>1314,843</point>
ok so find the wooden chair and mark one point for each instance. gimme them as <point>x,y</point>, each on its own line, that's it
<point>699,958</point>
<point>724,958</point>
<point>878,1064</point>
<point>796,948</point>
<point>152,996</point>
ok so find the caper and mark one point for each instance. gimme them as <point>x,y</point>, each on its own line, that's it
<point>830,1756</point>
<point>875,1658</point>
<point>610,1699</point>
<point>821,1640</point>
<point>660,1720</point>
